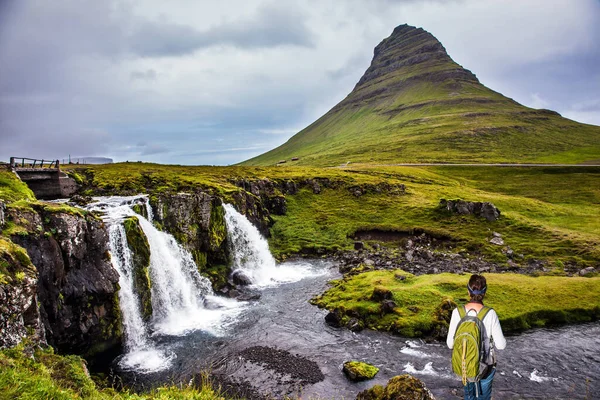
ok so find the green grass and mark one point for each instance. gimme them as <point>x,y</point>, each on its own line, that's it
<point>547,213</point>
<point>50,376</point>
<point>521,302</point>
<point>12,188</point>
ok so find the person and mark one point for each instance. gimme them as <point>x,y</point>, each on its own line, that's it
<point>492,336</point>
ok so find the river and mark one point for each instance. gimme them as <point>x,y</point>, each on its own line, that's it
<point>557,363</point>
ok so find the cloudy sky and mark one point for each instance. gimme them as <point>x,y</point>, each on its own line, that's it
<point>205,82</point>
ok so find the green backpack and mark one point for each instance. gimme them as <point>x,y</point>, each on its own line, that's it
<point>469,359</point>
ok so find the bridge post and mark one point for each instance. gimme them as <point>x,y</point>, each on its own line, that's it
<point>12,163</point>
<point>58,164</point>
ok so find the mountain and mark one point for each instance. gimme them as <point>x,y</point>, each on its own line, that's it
<point>415,104</point>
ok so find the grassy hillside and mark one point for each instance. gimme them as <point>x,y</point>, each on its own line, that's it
<point>415,104</point>
<point>547,213</point>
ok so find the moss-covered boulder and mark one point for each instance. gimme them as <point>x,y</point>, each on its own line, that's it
<point>138,244</point>
<point>401,387</point>
<point>358,371</point>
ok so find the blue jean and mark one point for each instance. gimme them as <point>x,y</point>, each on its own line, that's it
<point>485,388</point>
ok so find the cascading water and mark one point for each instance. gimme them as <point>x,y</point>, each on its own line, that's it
<point>251,254</point>
<point>178,291</point>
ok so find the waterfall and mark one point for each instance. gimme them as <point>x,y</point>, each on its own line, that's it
<point>178,290</point>
<point>251,254</point>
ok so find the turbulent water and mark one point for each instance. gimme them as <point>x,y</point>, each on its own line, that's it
<point>193,330</point>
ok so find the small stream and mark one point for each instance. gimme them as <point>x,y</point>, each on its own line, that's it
<point>558,363</point>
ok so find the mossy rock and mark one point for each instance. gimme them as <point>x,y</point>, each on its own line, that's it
<point>359,371</point>
<point>401,387</point>
<point>139,246</point>
<point>140,209</point>
<point>381,293</point>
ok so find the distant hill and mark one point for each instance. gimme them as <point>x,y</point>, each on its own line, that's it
<point>415,104</point>
<point>90,160</point>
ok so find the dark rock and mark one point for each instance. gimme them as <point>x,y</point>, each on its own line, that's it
<point>240,278</point>
<point>402,387</point>
<point>77,286</point>
<point>387,306</point>
<point>140,249</point>
<point>335,318</point>
<point>359,245</point>
<point>400,277</point>
<point>462,207</point>
<point>78,200</point>
<point>355,325</point>
<point>299,368</point>
<point>381,293</point>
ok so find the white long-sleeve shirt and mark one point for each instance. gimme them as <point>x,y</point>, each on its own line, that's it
<point>491,324</point>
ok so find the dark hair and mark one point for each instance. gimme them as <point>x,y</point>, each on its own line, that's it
<point>477,287</point>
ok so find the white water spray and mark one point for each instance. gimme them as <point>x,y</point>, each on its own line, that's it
<point>251,254</point>
<point>178,290</point>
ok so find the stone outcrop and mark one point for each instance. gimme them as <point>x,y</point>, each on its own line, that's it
<point>140,249</point>
<point>401,387</point>
<point>483,210</point>
<point>2,218</point>
<point>197,221</point>
<point>19,315</point>
<point>77,286</point>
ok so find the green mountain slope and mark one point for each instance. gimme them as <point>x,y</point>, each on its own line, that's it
<point>415,104</point>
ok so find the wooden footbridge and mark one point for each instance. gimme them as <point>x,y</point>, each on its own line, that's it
<point>43,177</point>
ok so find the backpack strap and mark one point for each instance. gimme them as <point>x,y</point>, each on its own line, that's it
<point>462,311</point>
<point>483,312</point>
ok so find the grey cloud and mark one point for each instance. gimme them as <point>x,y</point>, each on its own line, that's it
<point>272,26</point>
<point>147,75</point>
<point>150,149</point>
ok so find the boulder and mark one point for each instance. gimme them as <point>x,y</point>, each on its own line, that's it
<point>483,210</point>
<point>401,387</point>
<point>588,270</point>
<point>239,278</point>
<point>498,241</point>
<point>357,371</point>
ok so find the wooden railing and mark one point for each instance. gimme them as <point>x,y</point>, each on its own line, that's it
<point>31,163</point>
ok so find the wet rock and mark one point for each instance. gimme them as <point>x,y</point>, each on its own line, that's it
<point>334,318</point>
<point>78,200</point>
<point>478,209</point>
<point>357,371</point>
<point>359,245</point>
<point>402,387</point>
<point>77,285</point>
<point>240,278</point>
<point>355,325</point>
<point>140,249</point>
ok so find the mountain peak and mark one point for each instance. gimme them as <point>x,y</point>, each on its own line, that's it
<point>415,104</point>
<point>412,54</point>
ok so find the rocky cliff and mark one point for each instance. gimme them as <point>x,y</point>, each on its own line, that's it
<point>77,285</point>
